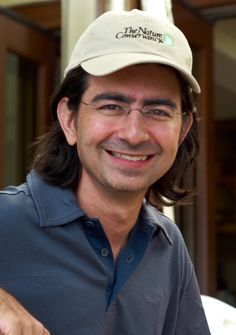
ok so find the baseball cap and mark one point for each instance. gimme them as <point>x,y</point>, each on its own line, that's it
<point>118,39</point>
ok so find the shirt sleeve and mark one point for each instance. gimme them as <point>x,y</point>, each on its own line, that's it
<point>191,319</point>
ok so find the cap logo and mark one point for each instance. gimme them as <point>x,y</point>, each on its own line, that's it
<point>167,39</point>
<point>143,32</point>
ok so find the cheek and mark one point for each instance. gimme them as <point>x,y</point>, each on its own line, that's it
<point>92,131</point>
<point>169,137</point>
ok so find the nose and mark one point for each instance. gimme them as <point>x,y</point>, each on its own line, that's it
<point>134,129</point>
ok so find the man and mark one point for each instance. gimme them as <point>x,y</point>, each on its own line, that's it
<point>82,249</point>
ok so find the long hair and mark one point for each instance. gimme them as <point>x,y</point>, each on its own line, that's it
<point>58,163</point>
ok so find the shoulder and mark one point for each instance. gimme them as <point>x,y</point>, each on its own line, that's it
<point>177,253</point>
<point>161,221</point>
<point>13,195</point>
<point>15,202</point>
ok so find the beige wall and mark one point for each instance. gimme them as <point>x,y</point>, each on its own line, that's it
<point>76,16</point>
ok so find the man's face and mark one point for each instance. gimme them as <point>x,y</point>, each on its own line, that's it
<point>127,153</point>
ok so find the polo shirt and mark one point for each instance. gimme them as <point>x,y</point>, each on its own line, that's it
<point>58,263</point>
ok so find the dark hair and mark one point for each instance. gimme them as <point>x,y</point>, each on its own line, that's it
<point>58,163</point>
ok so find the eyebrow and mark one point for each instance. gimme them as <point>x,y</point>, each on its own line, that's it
<point>115,96</point>
<point>160,101</point>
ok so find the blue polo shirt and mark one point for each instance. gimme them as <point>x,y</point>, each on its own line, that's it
<point>129,258</point>
<point>58,263</point>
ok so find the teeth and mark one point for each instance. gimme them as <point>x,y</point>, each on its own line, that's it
<point>129,158</point>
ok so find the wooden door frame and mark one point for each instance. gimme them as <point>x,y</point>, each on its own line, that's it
<point>200,36</point>
<point>34,44</point>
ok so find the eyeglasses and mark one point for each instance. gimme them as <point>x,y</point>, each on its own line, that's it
<point>152,113</point>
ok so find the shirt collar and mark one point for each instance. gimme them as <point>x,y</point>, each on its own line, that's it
<point>152,216</point>
<point>55,205</point>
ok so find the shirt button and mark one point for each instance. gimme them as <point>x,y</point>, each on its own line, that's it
<point>130,259</point>
<point>90,224</point>
<point>104,252</point>
<point>146,229</point>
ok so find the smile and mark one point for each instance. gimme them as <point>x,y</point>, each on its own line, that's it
<point>129,157</point>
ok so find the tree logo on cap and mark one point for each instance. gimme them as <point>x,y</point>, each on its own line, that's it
<point>167,39</point>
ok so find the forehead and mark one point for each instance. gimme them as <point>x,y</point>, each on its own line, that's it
<point>138,80</point>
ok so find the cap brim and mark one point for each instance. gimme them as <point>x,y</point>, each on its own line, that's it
<point>104,65</point>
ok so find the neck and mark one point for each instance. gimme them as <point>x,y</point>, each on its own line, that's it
<point>117,213</point>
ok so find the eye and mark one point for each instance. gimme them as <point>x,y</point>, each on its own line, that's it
<point>111,109</point>
<point>160,113</point>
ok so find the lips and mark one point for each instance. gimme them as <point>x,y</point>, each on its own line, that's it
<point>133,158</point>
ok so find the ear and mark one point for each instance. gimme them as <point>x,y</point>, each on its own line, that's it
<point>67,121</point>
<point>186,125</point>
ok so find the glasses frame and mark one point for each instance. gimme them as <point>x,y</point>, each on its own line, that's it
<point>143,111</point>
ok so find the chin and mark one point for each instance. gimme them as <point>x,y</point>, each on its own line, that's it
<point>130,188</point>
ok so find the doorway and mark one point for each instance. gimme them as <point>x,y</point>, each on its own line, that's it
<point>28,61</point>
<point>225,156</point>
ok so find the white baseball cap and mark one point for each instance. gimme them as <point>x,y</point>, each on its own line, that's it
<point>118,39</point>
